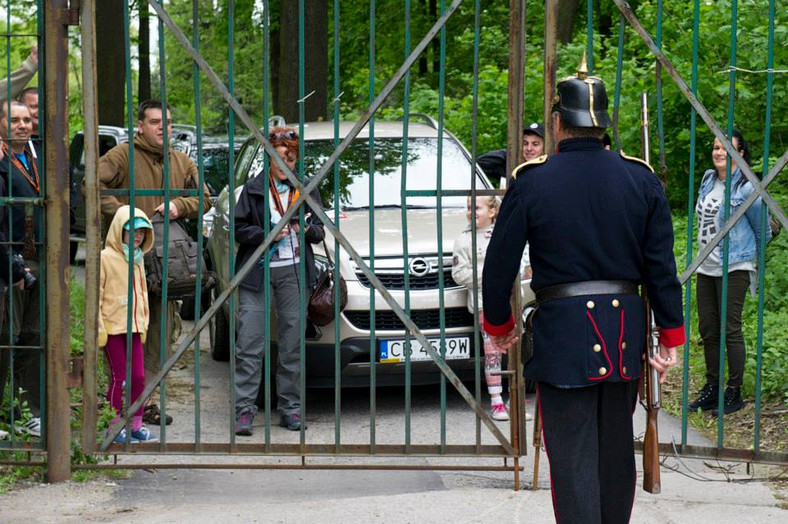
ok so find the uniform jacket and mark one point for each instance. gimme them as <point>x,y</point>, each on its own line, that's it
<point>462,265</point>
<point>114,296</point>
<point>15,227</point>
<point>588,214</point>
<point>250,232</point>
<point>745,236</point>
<point>149,174</point>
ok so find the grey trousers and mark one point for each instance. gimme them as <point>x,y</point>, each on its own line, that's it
<point>251,345</point>
<point>25,321</point>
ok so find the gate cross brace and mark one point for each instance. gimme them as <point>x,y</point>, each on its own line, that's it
<point>305,196</point>
<point>760,189</point>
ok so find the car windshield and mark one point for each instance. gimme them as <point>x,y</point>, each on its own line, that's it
<point>216,168</point>
<point>422,169</point>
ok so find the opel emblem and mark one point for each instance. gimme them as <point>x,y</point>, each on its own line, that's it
<point>418,267</point>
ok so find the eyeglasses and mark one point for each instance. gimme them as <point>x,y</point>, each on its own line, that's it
<point>285,135</point>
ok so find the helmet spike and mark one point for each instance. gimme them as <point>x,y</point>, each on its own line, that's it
<point>582,69</point>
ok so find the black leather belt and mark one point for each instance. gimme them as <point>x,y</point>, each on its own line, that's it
<point>590,287</point>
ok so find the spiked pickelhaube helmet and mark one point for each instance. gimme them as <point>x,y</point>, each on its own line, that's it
<point>582,100</point>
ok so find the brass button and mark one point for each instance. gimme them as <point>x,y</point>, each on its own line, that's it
<point>624,370</point>
<point>597,348</point>
<point>590,304</point>
<point>602,370</point>
<point>623,345</point>
<point>616,302</point>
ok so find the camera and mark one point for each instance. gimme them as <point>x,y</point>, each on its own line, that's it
<point>29,278</point>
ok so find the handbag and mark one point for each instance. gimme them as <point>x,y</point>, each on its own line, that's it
<point>320,310</point>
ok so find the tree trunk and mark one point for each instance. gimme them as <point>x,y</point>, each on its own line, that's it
<point>143,85</point>
<point>110,63</point>
<point>315,66</point>
<point>567,15</point>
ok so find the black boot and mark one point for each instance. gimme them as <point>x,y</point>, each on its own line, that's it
<point>732,402</point>
<point>707,398</point>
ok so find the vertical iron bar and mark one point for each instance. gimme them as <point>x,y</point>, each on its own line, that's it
<point>92,225</point>
<point>690,222</point>
<point>231,200</point>
<point>514,127</point>
<point>164,340</point>
<point>373,346</point>
<point>550,46</point>
<point>725,217</point>
<point>267,219</point>
<point>764,225</point>
<point>660,113</point>
<point>478,343</point>
<point>405,246</point>
<point>590,36</point>
<point>58,430</point>
<point>200,212</point>
<point>301,238</point>
<point>439,210</point>
<point>619,69</point>
<point>337,352</point>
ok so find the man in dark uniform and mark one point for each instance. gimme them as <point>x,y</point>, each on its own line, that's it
<point>598,226</point>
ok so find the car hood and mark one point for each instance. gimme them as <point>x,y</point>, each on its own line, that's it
<point>421,227</point>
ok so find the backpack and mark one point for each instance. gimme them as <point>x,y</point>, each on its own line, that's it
<point>182,258</point>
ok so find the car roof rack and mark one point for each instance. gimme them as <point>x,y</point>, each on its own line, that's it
<point>426,118</point>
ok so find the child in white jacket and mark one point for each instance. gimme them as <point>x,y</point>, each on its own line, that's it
<point>484,211</point>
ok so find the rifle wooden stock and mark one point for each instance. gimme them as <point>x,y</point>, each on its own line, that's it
<point>651,475</point>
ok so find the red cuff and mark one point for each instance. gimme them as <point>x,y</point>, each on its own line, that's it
<point>502,329</point>
<point>672,337</point>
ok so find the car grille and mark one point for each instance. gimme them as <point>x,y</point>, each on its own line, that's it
<point>397,282</point>
<point>424,319</point>
<point>423,270</point>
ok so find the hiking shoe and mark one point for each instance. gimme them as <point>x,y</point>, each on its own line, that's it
<point>291,422</point>
<point>499,412</point>
<point>732,402</point>
<point>143,435</point>
<point>121,438</point>
<point>152,415</point>
<point>707,399</point>
<point>243,423</point>
<point>31,427</point>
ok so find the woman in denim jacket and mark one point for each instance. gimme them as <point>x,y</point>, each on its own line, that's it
<point>744,238</point>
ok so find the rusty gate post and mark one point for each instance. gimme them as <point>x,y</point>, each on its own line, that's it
<point>550,44</point>
<point>92,224</point>
<point>58,431</point>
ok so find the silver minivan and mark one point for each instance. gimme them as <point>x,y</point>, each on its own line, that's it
<point>423,262</point>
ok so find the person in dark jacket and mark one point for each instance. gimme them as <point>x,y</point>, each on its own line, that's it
<point>598,226</point>
<point>282,261</point>
<point>493,163</point>
<point>23,226</point>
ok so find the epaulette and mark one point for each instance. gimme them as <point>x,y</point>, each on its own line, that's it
<point>533,162</point>
<point>638,160</point>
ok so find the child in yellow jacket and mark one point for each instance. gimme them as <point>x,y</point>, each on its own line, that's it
<point>114,301</point>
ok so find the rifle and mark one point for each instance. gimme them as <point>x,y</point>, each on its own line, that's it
<point>651,476</point>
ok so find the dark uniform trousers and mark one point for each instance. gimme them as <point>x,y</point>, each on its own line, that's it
<point>592,472</point>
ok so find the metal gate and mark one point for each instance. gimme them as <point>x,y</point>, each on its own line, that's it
<point>511,447</point>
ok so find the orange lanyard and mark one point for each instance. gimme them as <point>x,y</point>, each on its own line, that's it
<point>22,169</point>
<point>293,195</point>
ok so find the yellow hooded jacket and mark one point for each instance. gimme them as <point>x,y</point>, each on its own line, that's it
<point>114,282</point>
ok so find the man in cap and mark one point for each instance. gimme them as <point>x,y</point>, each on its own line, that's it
<point>494,162</point>
<point>598,226</point>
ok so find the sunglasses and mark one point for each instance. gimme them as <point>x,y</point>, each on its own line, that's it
<point>285,135</point>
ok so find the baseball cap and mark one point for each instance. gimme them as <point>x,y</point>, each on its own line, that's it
<point>139,223</point>
<point>534,128</point>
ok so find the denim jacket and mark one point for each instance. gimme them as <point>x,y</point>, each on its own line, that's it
<point>745,236</point>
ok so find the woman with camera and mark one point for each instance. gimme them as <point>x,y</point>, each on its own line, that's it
<point>282,259</point>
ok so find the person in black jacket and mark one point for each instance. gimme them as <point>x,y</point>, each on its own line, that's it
<point>599,227</point>
<point>22,226</point>
<point>282,261</point>
<point>493,163</point>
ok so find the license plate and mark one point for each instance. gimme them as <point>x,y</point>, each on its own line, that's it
<point>394,350</point>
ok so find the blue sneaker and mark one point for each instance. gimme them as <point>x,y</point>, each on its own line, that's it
<point>291,422</point>
<point>143,435</point>
<point>122,438</point>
